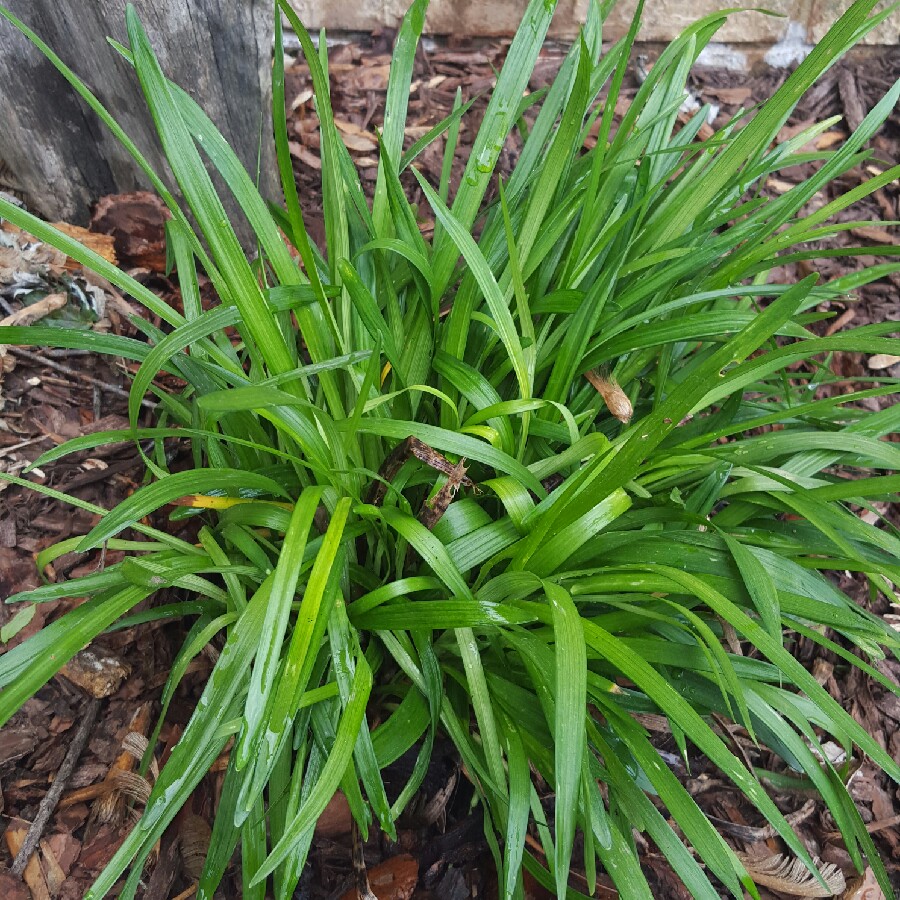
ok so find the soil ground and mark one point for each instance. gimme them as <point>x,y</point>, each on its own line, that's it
<point>55,395</point>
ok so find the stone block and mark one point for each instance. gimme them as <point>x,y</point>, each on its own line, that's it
<point>825,12</point>
<point>665,19</point>
<point>662,20</point>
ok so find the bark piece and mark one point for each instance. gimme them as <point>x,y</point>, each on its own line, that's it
<point>97,671</point>
<point>31,873</point>
<point>99,243</point>
<point>12,888</point>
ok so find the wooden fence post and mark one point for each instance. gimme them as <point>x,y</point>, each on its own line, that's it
<point>60,153</point>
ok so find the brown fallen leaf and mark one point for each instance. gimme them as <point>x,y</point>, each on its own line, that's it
<point>614,397</point>
<point>392,463</point>
<point>22,254</point>
<point>394,879</point>
<point>111,806</point>
<point>194,838</point>
<point>433,509</point>
<point>335,819</point>
<point>136,222</point>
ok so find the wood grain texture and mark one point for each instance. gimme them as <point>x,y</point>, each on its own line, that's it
<point>62,155</point>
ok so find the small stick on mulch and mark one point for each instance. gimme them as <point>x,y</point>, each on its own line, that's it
<point>74,375</point>
<point>871,827</point>
<point>756,835</point>
<point>48,804</point>
<point>187,892</point>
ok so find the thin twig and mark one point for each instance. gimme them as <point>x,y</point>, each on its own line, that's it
<point>872,827</point>
<point>22,444</point>
<point>77,376</point>
<point>51,798</point>
<point>188,892</point>
<point>754,835</point>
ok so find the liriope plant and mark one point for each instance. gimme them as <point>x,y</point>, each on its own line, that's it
<point>565,463</point>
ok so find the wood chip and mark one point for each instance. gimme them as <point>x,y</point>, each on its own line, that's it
<point>865,888</point>
<point>736,96</point>
<point>298,151</point>
<point>829,139</point>
<point>874,233</point>
<point>845,318</point>
<point>33,876</point>
<point>52,869</point>
<point>12,888</point>
<point>359,143</point>
<point>779,186</point>
<point>882,361</point>
<point>99,243</point>
<point>97,671</point>
<point>29,314</point>
<point>854,111</point>
<point>301,98</point>
<point>372,78</point>
<point>335,819</point>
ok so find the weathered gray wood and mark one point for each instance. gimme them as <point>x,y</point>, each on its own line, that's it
<point>62,156</point>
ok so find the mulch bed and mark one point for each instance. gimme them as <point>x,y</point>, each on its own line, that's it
<point>440,851</point>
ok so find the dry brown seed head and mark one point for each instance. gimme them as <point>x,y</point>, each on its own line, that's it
<point>614,397</point>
